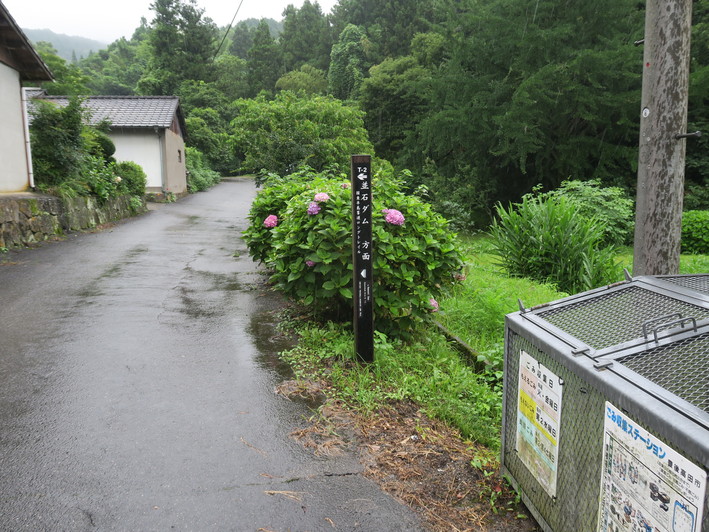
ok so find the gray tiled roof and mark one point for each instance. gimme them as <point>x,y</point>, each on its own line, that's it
<point>128,111</point>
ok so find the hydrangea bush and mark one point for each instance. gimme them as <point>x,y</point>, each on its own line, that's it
<point>266,211</point>
<point>310,248</point>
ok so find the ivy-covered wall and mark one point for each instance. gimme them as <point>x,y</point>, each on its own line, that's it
<point>30,218</point>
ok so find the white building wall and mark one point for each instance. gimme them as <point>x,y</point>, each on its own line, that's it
<point>143,148</point>
<point>14,174</point>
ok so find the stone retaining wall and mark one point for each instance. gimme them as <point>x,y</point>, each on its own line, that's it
<point>29,218</point>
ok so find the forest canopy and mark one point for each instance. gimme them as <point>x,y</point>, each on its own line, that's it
<point>481,100</point>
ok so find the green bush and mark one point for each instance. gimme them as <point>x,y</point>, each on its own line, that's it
<point>98,144</point>
<point>610,206</point>
<point>546,239</point>
<point>133,178</point>
<point>696,195</point>
<point>100,179</point>
<point>57,143</point>
<point>199,175</point>
<point>70,158</point>
<point>292,130</point>
<point>209,134</point>
<point>311,253</point>
<point>695,232</point>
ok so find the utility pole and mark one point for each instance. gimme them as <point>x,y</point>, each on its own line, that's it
<point>663,132</point>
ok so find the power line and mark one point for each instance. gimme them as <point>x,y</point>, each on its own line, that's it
<point>227,31</point>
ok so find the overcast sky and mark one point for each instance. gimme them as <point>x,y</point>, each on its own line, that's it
<point>108,20</point>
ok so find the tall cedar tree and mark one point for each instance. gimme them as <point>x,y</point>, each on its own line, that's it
<point>265,61</point>
<point>242,40</point>
<point>348,63</point>
<point>306,37</point>
<point>183,44</point>
<point>389,24</point>
<point>537,92</point>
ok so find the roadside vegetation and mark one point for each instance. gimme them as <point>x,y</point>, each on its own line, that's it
<point>424,406</point>
<point>440,302</point>
<point>431,370</point>
<point>199,174</point>
<point>71,158</point>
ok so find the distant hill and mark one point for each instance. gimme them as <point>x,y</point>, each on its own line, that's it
<point>68,47</point>
<point>72,47</point>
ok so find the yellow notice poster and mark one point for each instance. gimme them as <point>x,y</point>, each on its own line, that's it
<point>539,411</point>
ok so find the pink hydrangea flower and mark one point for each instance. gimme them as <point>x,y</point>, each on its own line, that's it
<point>393,217</point>
<point>271,221</point>
<point>434,305</point>
<point>321,196</point>
<point>313,208</point>
<point>309,263</point>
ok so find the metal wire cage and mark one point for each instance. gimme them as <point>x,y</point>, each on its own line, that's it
<point>606,407</point>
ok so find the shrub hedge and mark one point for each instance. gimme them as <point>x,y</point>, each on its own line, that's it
<point>695,232</point>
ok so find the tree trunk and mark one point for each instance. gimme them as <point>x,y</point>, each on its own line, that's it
<point>658,220</point>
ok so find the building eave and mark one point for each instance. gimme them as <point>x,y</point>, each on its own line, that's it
<point>17,52</point>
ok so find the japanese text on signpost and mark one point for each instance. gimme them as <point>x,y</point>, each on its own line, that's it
<point>362,257</point>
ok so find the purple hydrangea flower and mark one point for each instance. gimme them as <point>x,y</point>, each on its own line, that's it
<point>321,196</point>
<point>271,221</point>
<point>393,217</point>
<point>310,263</point>
<point>345,186</point>
<point>434,305</point>
<point>313,208</point>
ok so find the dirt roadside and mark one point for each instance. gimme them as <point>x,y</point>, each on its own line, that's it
<point>454,485</point>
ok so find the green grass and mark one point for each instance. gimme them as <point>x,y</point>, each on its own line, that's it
<point>688,264</point>
<point>475,310</point>
<point>429,370</point>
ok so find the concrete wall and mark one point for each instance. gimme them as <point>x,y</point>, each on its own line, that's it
<point>14,175</point>
<point>143,148</point>
<point>29,218</point>
<point>175,163</point>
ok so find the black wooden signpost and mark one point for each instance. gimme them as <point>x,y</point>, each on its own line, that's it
<point>362,257</point>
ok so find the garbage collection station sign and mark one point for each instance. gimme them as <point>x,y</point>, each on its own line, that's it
<point>645,484</point>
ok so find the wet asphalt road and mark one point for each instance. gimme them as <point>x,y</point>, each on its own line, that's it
<point>137,369</point>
